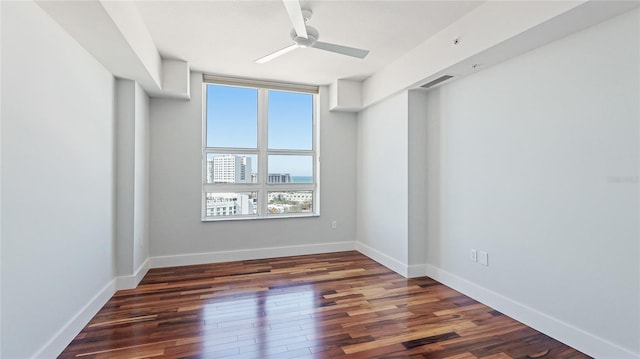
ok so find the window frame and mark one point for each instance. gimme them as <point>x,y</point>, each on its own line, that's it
<point>262,187</point>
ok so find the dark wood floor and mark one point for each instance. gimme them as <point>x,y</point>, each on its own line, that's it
<point>337,305</point>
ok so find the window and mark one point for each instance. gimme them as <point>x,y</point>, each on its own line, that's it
<point>260,156</point>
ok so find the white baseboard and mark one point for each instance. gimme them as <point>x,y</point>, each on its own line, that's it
<point>395,265</point>
<point>131,281</point>
<point>416,270</point>
<point>248,254</point>
<point>407,271</point>
<point>575,337</point>
<point>65,335</point>
<point>391,263</point>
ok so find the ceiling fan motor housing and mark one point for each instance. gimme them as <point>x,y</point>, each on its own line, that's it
<point>307,36</point>
<point>312,34</point>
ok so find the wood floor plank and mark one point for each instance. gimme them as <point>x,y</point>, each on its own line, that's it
<point>333,305</point>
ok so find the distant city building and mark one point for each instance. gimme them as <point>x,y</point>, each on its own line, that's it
<point>229,169</point>
<point>293,196</point>
<point>290,202</point>
<point>279,178</point>
<point>229,204</point>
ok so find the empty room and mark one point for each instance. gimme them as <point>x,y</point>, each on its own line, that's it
<point>320,179</point>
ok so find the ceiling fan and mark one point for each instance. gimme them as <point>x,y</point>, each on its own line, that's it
<point>304,35</point>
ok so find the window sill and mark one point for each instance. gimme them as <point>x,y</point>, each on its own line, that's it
<point>273,216</point>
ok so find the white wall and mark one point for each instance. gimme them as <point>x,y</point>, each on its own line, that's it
<point>383,181</point>
<point>539,162</point>
<point>175,190</point>
<point>125,175</point>
<point>417,177</point>
<point>141,179</point>
<point>392,171</point>
<point>132,177</point>
<point>57,179</point>
<point>0,187</point>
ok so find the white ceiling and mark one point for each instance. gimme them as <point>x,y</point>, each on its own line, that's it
<point>226,37</point>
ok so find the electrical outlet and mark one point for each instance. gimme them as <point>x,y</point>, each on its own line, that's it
<point>484,258</point>
<point>334,224</point>
<point>474,255</point>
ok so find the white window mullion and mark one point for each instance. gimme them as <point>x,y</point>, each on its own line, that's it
<point>203,158</point>
<point>225,150</point>
<point>284,187</point>
<point>292,152</point>
<point>231,187</point>
<point>316,164</point>
<point>263,110</point>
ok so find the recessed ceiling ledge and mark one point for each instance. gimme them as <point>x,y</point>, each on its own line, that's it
<point>483,40</point>
<point>115,34</point>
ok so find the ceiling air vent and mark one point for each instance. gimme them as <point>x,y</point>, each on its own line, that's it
<point>440,79</point>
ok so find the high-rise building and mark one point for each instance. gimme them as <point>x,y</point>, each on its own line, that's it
<point>279,178</point>
<point>229,169</point>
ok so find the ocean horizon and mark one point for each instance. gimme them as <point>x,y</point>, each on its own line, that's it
<point>302,179</point>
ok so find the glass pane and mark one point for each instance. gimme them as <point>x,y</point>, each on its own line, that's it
<point>232,204</point>
<point>290,169</point>
<point>232,168</point>
<point>232,117</point>
<point>290,120</point>
<point>290,202</point>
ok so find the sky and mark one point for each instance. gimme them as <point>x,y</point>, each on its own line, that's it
<point>232,122</point>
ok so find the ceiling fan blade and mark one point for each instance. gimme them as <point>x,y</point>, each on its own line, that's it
<point>297,19</point>
<point>344,50</point>
<point>280,52</point>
